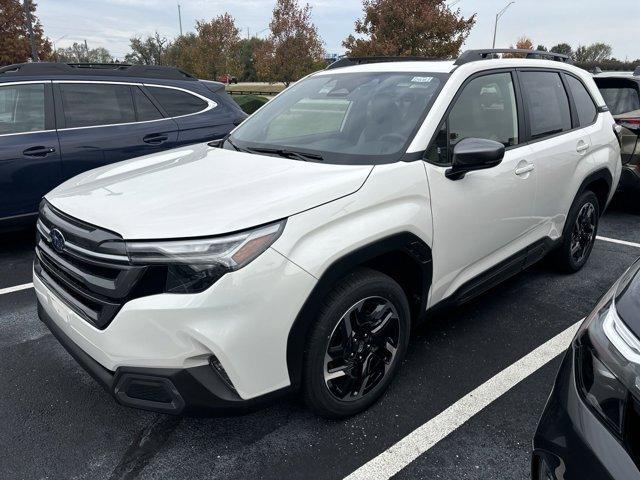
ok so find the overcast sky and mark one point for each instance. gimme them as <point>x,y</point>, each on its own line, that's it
<point>110,23</point>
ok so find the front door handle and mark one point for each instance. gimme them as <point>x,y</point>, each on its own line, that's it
<point>582,147</point>
<point>525,169</point>
<point>38,151</point>
<point>155,138</point>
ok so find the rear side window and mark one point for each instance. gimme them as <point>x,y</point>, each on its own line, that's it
<point>177,102</point>
<point>94,104</point>
<point>621,99</point>
<point>145,108</point>
<point>547,103</point>
<point>585,107</point>
<point>21,108</point>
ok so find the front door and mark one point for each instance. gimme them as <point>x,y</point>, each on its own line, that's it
<point>485,217</point>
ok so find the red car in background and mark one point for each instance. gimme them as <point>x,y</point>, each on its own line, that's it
<point>227,78</point>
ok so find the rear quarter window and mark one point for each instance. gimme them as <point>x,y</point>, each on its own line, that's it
<point>177,102</point>
<point>585,108</point>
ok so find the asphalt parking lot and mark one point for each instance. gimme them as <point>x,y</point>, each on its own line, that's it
<point>58,423</point>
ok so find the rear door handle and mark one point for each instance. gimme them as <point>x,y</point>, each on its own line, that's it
<point>38,151</point>
<point>525,169</point>
<point>582,147</point>
<point>155,138</point>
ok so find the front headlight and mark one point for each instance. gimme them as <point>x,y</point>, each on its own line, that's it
<point>608,360</point>
<point>193,265</point>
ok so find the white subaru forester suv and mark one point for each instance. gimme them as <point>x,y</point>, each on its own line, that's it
<point>298,253</point>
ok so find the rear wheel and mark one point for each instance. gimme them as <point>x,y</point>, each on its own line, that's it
<point>356,345</point>
<point>579,233</point>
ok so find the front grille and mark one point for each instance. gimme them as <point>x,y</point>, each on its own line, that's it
<point>91,272</point>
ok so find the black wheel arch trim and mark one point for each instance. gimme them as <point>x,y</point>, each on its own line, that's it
<point>601,174</point>
<point>405,242</point>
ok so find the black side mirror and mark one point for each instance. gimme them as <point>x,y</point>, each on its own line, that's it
<point>474,154</point>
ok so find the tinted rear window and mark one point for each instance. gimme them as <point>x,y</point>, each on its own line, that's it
<point>89,104</point>
<point>547,103</point>
<point>621,99</point>
<point>177,102</point>
<point>585,107</point>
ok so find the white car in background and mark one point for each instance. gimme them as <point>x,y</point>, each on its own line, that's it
<point>299,254</point>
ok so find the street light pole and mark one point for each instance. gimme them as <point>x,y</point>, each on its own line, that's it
<point>495,25</point>
<point>180,19</point>
<point>32,37</point>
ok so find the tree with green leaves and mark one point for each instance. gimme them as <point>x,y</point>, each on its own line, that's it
<point>79,53</point>
<point>596,52</point>
<point>15,45</point>
<point>293,48</point>
<point>562,48</point>
<point>541,48</point>
<point>248,47</point>
<point>427,28</point>
<point>149,51</point>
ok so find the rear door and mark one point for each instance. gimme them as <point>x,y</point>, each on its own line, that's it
<point>106,122</point>
<point>199,118</point>
<point>29,150</point>
<point>561,147</point>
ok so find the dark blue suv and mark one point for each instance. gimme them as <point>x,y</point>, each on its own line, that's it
<point>57,120</point>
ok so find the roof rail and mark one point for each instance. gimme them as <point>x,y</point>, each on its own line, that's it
<point>350,61</point>
<point>99,69</point>
<point>475,55</point>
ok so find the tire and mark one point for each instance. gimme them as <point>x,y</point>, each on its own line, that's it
<point>364,362</point>
<point>568,260</point>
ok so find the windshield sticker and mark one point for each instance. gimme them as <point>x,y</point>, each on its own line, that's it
<point>422,79</point>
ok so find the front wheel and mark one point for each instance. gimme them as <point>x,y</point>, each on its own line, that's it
<point>357,344</point>
<point>580,233</point>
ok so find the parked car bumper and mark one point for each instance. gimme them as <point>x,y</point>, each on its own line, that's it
<point>571,443</point>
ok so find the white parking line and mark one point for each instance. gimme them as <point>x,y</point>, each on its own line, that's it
<point>394,459</point>
<point>621,242</point>
<point>17,288</point>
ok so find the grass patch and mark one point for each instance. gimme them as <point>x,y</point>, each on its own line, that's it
<point>249,103</point>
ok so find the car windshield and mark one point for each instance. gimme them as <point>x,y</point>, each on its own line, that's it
<point>349,118</point>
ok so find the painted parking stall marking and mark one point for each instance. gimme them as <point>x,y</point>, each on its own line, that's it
<point>17,288</point>
<point>395,458</point>
<point>619,242</point>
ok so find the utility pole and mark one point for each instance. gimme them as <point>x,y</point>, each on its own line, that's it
<point>32,38</point>
<point>180,19</point>
<point>495,25</point>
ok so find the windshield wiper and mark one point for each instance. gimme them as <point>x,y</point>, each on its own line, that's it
<point>239,149</point>
<point>285,152</point>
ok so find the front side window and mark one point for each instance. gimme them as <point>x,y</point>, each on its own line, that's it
<point>176,102</point>
<point>585,107</point>
<point>22,108</point>
<point>547,102</point>
<point>96,104</point>
<point>486,108</point>
<point>348,118</point>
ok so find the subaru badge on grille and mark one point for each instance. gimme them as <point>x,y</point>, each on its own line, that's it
<point>57,240</point>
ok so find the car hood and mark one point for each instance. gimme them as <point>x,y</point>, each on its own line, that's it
<point>200,191</point>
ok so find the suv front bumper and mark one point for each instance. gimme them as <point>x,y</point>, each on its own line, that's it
<point>169,342</point>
